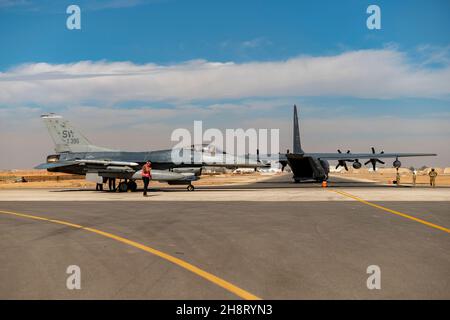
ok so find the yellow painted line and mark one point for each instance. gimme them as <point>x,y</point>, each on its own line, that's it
<point>401,214</point>
<point>67,223</point>
<point>183,264</point>
<point>25,215</point>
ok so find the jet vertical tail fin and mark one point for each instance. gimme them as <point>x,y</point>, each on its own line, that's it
<point>297,147</point>
<point>66,137</point>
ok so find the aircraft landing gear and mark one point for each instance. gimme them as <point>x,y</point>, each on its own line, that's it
<point>99,187</point>
<point>132,186</point>
<point>190,187</point>
<point>123,187</point>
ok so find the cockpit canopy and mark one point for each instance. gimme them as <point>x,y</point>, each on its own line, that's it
<point>53,158</point>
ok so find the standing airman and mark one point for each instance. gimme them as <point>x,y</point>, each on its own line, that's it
<point>433,174</point>
<point>414,177</point>
<point>146,175</point>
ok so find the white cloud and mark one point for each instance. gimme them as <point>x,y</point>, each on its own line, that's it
<point>367,73</point>
<point>434,55</point>
<point>90,91</point>
<point>257,42</point>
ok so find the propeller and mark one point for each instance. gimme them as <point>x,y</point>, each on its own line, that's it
<point>374,161</point>
<point>342,163</point>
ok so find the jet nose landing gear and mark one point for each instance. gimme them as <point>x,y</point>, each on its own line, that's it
<point>190,187</point>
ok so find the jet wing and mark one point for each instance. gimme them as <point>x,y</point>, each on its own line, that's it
<point>113,165</point>
<point>353,156</point>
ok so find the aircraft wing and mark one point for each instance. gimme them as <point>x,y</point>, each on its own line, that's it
<point>353,156</point>
<point>117,165</point>
<point>116,169</point>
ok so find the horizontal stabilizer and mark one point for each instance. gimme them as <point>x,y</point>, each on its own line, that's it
<point>53,165</point>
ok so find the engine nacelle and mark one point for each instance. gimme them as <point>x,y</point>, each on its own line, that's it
<point>357,164</point>
<point>397,164</point>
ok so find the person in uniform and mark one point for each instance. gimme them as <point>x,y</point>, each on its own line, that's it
<point>414,177</point>
<point>433,174</point>
<point>397,178</point>
<point>146,175</point>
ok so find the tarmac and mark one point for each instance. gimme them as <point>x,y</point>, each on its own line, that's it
<point>269,240</point>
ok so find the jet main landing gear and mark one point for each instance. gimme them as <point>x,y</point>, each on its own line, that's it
<point>126,186</point>
<point>132,186</point>
<point>123,187</point>
<point>190,188</point>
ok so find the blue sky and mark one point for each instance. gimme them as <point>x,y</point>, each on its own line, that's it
<point>168,31</point>
<point>220,61</point>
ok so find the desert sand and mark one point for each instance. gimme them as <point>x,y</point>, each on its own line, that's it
<point>42,179</point>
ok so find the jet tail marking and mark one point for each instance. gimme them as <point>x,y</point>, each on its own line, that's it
<point>66,137</point>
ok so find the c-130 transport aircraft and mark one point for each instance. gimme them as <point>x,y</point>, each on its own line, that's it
<point>76,155</point>
<point>315,166</point>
